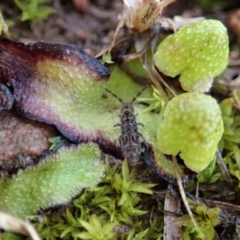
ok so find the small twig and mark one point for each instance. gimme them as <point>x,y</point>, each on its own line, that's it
<point>233,83</point>
<point>11,223</point>
<point>234,62</point>
<point>182,192</point>
<point>155,76</point>
<point>119,27</point>
<point>130,57</point>
<point>171,205</point>
<point>223,168</point>
<point>100,13</point>
<point>118,43</point>
<point>197,190</point>
<point>162,81</point>
<point>4,26</point>
<point>233,86</point>
<point>157,84</point>
<point>236,99</point>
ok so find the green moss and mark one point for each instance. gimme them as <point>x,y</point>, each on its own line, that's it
<point>232,159</point>
<point>231,121</point>
<point>206,218</point>
<point>34,10</point>
<point>211,174</point>
<point>117,203</point>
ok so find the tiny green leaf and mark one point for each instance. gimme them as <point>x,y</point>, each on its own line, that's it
<point>33,10</point>
<point>208,174</point>
<point>156,102</point>
<point>107,58</point>
<point>226,107</point>
<point>57,142</point>
<point>3,25</point>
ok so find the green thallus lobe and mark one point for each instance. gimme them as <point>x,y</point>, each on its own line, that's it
<point>198,52</point>
<point>192,125</point>
<point>56,180</point>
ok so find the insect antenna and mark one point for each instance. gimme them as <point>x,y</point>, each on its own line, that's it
<point>114,95</point>
<point>135,98</point>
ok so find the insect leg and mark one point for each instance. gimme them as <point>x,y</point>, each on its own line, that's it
<point>144,141</point>
<point>140,124</point>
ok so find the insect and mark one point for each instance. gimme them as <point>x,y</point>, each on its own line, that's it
<point>130,139</point>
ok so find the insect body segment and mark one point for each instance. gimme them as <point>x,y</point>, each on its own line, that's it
<point>130,139</point>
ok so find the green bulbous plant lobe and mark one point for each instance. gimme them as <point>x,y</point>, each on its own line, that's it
<point>55,180</point>
<point>197,52</point>
<point>191,126</point>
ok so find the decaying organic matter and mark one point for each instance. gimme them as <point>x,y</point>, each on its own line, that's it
<point>22,140</point>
